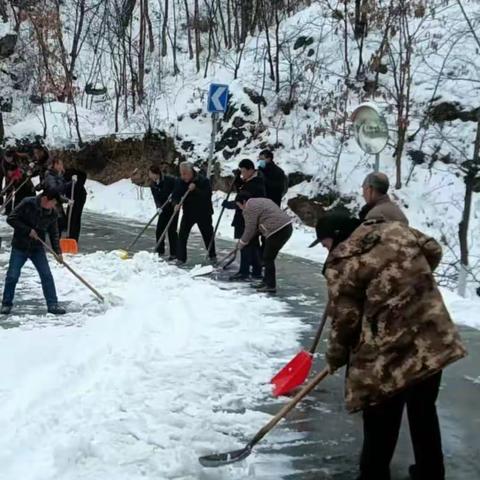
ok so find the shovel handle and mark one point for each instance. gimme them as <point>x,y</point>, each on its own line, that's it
<point>318,335</point>
<point>164,233</point>
<point>230,189</point>
<point>289,406</point>
<point>71,270</point>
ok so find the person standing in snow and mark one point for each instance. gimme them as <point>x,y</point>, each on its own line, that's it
<point>54,180</point>
<point>162,187</point>
<point>276,182</point>
<point>32,219</point>
<point>378,203</point>
<point>248,181</point>
<point>76,179</point>
<point>263,216</point>
<point>17,180</point>
<point>197,209</point>
<point>391,329</point>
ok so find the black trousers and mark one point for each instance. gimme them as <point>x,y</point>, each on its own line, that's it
<point>272,246</point>
<point>206,229</point>
<point>76,220</point>
<point>381,426</point>
<point>162,222</point>
<point>250,258</point>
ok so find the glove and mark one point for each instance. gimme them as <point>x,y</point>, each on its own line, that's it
<point>225,204</point>
<point>75,178</point>
<point>70,203</point>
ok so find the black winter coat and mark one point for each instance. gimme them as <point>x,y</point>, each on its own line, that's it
<point>79,192</point>
<point>256,188</point>
<point>162,190</point>
<point>276,182</point>
<point>198,203</point>
<point>29,215</point>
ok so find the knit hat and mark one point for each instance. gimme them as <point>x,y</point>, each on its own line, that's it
<point>334,225</point>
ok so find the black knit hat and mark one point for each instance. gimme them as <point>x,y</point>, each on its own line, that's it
<point>334,225</point>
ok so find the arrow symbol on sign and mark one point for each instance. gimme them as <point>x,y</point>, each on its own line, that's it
<point>216,98</point>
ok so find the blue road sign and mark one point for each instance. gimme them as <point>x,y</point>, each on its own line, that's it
<point>217,98</point>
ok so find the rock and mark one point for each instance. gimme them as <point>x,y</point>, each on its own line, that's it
<point>255,97</point>
<point>311,52</point>
<point>247,111</point>
<point>195,114</point>
<point>187,146</point>
<point>302,42</point>
<point>7,45</point>
<point>6,104</point>
<point>296,178</point>
<point>230,138</point>
<point>308,210</point>
<point>239,122</point>
<point>450,111</point>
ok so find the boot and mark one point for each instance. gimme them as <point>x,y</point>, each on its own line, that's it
<point>266,289</point>
<point>258,285</point>
<point>238,277</point>
<point>56,309</point>
<point>5,310</point>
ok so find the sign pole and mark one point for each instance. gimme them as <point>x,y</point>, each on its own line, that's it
<point>212,144</point>
<point>377,162</point>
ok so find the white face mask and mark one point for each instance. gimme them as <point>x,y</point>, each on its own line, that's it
<point>262,163</point>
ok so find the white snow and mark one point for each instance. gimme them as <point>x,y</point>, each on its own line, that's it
<point>140,388</point>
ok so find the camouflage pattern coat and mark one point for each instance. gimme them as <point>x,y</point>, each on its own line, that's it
<point>389,324</point>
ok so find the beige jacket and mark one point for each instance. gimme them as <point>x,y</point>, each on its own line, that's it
<point>262,216</point>
<point>387,210</point>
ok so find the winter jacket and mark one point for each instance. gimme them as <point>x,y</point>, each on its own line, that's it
<point>198,204</point>
<point>29,215</point>
<point>389,323</point>
<point>387,210</point>
<point>276,182</point>
<point>255,186</point>
<point>79,192</point>
<point>263,216</point>
<point>162,190</point>
<point>55,181</point>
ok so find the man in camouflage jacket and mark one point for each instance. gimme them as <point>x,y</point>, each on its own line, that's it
<point>390,327</point>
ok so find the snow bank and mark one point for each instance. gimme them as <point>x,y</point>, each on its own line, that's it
<point>140,389</point>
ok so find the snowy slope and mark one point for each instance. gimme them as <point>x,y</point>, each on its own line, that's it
<point>139,388</point>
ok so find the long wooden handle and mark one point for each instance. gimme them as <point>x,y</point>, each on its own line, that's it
<point>289,406</point>
<point>71,270</point>
<point>132,244</point>
<point>12,195</point>
<point>70,209</point>
<point>219,219</point>
<point>318,335</point>
<point>164,233</point>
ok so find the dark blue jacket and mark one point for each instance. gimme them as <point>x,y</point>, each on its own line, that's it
<point>29,215</point>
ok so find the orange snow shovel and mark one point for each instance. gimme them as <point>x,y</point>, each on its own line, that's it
<point>69,245</point>
<point>296,371</point>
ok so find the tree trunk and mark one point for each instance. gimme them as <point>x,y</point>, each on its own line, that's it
<point>198,45</point>
<point>164,29</point>
<point>470,180</point>
<point>189,31</point>
<point>2,128</point>
<point>277,51</point>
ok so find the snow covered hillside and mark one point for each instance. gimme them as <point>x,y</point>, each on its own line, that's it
<point>143,386</point>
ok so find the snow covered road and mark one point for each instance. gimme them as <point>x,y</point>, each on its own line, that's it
<point>142,389</point>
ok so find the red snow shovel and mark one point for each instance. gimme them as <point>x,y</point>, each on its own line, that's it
<point>296,371</point>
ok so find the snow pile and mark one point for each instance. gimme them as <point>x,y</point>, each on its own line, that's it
<point>141,389</point>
